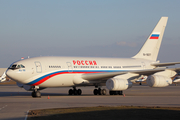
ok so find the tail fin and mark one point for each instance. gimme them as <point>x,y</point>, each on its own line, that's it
<point>152,45</point>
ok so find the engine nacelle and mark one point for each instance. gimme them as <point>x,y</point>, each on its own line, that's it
<point>116,84</point>
<point>158,81</point>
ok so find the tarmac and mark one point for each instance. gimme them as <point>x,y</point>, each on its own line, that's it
<point>15,102</point>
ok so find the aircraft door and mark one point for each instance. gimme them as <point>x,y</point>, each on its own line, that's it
<point>38,67</point>
<point>70,69</point>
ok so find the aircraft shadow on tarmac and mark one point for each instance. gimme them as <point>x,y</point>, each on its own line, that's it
<point>5,94</point>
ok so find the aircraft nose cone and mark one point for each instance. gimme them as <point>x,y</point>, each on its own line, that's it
<point>10,73</point>
<point>13,74</point>
<point>17,76</point>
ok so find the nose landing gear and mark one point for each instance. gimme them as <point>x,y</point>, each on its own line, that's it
<point>35,92</point>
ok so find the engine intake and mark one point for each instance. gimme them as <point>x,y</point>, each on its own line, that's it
<point>116,84</point>
<point>158,81</point>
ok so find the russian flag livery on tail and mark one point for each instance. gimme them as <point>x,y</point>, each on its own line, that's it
<point>154,36</point>
<point>114,74</point>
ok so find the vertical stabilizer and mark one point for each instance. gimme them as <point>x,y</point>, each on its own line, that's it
<point>152,45</point>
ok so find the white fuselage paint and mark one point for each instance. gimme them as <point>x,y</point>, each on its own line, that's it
<point>63,71</point>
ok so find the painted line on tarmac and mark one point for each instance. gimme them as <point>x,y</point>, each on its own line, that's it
<point>26,115</point>
<point>3,107</point>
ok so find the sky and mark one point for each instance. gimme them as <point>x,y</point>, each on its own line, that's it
<point>94,28</point>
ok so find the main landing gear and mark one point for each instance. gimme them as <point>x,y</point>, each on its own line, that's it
<point>116,92</point>
<point>99,91</point>
<point>75,91</point>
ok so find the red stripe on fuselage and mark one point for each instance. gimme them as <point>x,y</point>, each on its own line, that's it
<point>48,77</point>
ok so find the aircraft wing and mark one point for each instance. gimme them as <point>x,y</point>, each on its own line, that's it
<point>164,64</point>
<point>106,75</point>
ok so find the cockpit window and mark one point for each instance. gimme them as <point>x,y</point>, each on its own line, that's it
<point>18,66</point>
<point>22,66</point>
<point>15,66</point>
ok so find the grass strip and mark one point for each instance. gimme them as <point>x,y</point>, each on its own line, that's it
<point>106,113</point>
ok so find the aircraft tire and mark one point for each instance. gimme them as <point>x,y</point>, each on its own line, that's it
<point>99,91</point>
<point>121,92</point>
<point>75,92</point>
<point>37,94</point>
<point>79,91</point>
<point>33,94</point>
<point>103,91</point>
<point>70,91</point>
<point>95,91</point>
<point>115,92</point>
<point>110,93</point>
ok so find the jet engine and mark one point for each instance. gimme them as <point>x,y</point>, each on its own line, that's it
<point>116,84</point>
<point>158,81</point>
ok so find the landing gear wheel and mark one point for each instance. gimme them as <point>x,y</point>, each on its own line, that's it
<point>36,94</point>
<point>116,92</point>
<point>79,91</point>
<point>99,91</point>
<point>70,92</point>
<point>74,91</point>
<point>33,94</point>
<point>111,92</point>
<point>95,92</point>
<point>140,83</point>
<point>119,92</point>
<point>103,91</point>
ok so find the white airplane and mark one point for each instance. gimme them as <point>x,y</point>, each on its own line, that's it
<point>115,73</point>
<point>141,80</point>
<point>176,79</point>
